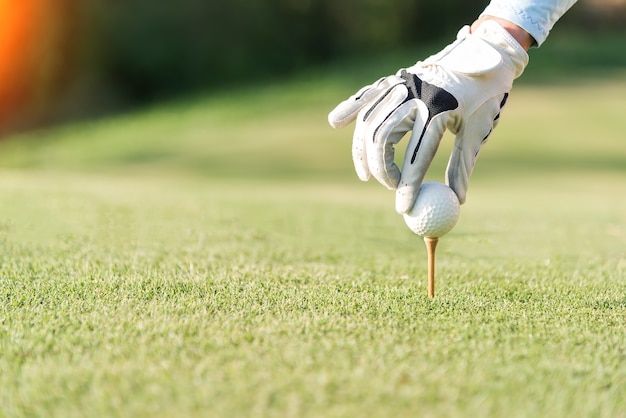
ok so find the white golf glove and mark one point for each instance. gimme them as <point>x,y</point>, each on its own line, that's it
<point>462,88</point>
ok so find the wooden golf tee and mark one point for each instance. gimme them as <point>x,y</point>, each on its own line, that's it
<point>431,245</point>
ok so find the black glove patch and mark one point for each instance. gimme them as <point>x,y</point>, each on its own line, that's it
<point>437,101</point>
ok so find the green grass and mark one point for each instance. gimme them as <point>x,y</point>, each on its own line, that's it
<point>218,257</point>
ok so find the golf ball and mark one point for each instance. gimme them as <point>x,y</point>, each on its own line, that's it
<point>435,212</point>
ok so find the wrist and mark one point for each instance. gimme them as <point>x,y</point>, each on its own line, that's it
<point>519,34</point>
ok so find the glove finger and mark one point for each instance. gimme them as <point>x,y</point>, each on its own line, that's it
<point>421,150</point>
<point>389,129</point>
<point>468,143</point>
<point>346,111</point>
<point>373,103</point>
<point>359,152</point>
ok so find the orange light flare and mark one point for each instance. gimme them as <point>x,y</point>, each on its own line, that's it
<point>38,42</point>
<point>17,33</point>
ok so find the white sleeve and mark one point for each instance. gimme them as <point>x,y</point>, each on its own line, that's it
<point>536,17</point>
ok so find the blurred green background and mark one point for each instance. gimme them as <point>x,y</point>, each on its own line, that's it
<point>75,59</point>
<point>183,233</point>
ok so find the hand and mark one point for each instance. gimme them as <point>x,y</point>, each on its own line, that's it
<point>462,88</point>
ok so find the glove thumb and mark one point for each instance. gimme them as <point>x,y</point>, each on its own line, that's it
<point>421,150</point>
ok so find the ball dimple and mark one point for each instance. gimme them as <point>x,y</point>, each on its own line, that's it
<point>435,212</point>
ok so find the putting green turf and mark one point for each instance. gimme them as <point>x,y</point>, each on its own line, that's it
<point>186,261</point>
